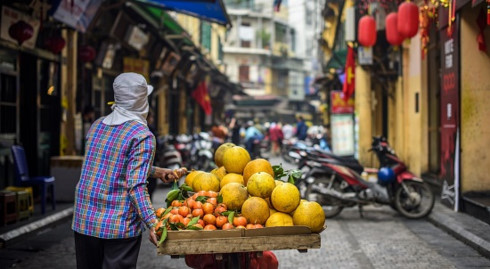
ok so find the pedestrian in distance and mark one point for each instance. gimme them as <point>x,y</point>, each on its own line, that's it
<point>112,205</point>
<point>252,134</point>
<point>276,136</point>
<point>301,129</point>
<point>288,131</point>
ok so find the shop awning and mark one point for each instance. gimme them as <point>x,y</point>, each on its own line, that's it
<point>337,61</point>
<point>208,10</point>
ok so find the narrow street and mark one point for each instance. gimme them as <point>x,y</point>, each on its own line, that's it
<point>382,239</point>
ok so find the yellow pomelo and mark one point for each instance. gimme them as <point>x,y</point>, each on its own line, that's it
<point>231,177</point>
<point>234,195</point>
<point>279,219</point>
<point>205,182</point>
<point>285,197</point>
<point>190,177</point>
<point>310,214</point>
<point>235,159</point>
<point>255,210</point>
<point>219,153</point>
<point>300,202</point>
<point>219,172</point>
<point>278,182</point>
<point>255,166</point>
<point>261,185</point>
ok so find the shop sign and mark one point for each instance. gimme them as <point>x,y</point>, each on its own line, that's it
<point>77,14</point>
<point>137,66</point>
<point>365,55</point>
<point>136,38</point>
<point>11,16</point>
<point>450,115</point>
<point>342,134</point>
<point>339,105</point>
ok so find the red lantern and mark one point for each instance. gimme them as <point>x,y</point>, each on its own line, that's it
<point>55,44</point>
<point>21,31</point>
<point>366,34</point>
<point>408,19</point>
<point>392,34</point>
<point>86,53</point>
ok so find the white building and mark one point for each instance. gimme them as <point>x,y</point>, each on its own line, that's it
<point>259,50</point>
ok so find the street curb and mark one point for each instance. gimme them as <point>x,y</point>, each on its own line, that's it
<point>35,226</point>
<point>454,228</point>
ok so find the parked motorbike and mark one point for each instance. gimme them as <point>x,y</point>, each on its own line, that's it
<point>336,185</point>
<point>167,155</point>
<point>183,143</point>
<point>307,159</point>
<point>201,152</point>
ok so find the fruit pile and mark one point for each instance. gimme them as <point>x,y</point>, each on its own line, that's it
<point>240,193</point>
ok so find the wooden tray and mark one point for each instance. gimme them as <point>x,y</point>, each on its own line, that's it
<point>239,240</point>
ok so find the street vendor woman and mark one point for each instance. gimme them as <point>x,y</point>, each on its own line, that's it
<point>112,204</point>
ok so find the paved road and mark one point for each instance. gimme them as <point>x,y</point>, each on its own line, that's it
<point>382,239</point>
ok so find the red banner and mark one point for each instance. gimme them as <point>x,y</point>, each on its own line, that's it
<point>450,114</point>
<point>339,105</point>
<point>200,94</point>
<point>350,71</point>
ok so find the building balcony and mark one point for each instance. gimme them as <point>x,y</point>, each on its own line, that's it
<point>242,50</point>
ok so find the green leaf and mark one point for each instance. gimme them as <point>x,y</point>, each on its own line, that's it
<point>278,171</point>
<point>164,235</point>
<point>193,227</point>
<point>193,221</point>
<point>180,226</point>
<point>220,199</point>
<point>166,212</point>
<point>202,199</point>
<point>174,226</point>
<point>172,195</point>
<point>175,186</point>
<point>231,216</point>
<point>296,174</point>
<point>291,179</point>
<point>185,187</point>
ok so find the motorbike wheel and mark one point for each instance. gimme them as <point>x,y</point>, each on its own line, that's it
<point>417,203</point>
<point>331,206</point>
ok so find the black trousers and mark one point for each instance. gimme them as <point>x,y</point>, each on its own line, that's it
<point>98,253</point>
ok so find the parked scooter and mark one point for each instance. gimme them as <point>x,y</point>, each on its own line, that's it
<point>307,159</point>
<point>201,152</point>
<point>183,144</point>
<point>168,155</point>
<point>335,185</point>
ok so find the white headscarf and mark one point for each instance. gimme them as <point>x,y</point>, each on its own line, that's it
<point>131,99</point>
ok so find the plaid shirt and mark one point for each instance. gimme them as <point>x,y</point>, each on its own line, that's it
<point>111,199</point>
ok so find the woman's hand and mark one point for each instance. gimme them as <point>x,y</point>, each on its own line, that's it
<point>169,175</point>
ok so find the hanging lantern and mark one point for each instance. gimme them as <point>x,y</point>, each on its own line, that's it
<point>21,31</point>
<point>367,31</point>
<point>408,19</point>
<point>55,44</point>
<point>392,34</point>
<point>86,53</point>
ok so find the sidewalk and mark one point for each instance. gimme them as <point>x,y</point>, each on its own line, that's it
<point>463,227</point>
<point>36,223</point>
